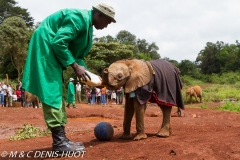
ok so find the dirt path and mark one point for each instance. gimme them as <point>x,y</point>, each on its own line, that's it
<point>201,134</point>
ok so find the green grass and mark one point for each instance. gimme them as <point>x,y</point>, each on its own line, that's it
<point>216,93</point>
<point>230,106</point>
<point>29,131</point>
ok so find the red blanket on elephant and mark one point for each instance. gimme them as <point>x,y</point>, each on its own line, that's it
<point>165,86</point>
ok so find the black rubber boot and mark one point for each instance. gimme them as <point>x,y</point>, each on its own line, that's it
<point>70,142</point>
<point>60,142</point>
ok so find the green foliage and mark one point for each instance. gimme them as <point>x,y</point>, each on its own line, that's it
<point>29,131</point>
<point>224,78</point>
<point>125,37</point>
<point>219,58</point>
<point>203,106</point>
<point>103,54</point>
<point>144,47</point>
<point>189,81</point>
<point>9,8</point>
<point>230,106</point>
<point>146,57</point>
<point>14,37</point>
<point>189,68</point>
<point>140,45</point>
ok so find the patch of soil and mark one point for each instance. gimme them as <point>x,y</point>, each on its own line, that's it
<point>200,134</point>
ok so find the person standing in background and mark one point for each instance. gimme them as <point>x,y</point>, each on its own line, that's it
<point>71,94</point>
<point>78,92</point>
<point>93,95</point>
<point>119,95</point>
<point>10,95</point>
<point>113,97</point>
<point>4,92</point>
<point>1,95</point>
<point>103,95</point>
<point>19,94</point>
<point>98,94</point>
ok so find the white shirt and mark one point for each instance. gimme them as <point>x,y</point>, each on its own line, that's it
<point>4,88</point>
<point>14,97</point>
<point>78,87</point>
<point>10,91</point>
<point>114,95</point>
<point>98,92</point>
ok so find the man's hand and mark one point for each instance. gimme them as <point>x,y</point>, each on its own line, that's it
<point>80,72</point>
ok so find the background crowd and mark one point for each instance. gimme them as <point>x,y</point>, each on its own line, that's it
<point>92,95</point>
<point>102,95</point>
<point>10,94</point>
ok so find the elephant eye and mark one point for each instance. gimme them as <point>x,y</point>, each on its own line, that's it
<point>119,76</point>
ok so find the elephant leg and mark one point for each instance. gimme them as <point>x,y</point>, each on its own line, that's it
<point>195,95</point>
<point>200,99</point>
<point>166,128</point>
<point>139,115</point>
<point>128,115</point>
<point>37,101</point>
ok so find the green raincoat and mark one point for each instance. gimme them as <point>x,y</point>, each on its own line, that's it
<point>61,39</point>
<point>70,93</point>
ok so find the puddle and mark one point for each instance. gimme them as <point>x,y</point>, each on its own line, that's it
<point>91,119</point>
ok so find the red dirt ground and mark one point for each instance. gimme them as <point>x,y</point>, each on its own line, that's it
<point>202,134</point>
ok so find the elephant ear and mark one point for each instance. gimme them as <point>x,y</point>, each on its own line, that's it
<point>140,74</point>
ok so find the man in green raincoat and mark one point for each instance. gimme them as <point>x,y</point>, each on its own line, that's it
<point>62,39</point>
<point>70,94</point>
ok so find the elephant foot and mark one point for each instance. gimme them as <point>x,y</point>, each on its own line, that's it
<point>125,136</point>
<point>163,132</point>
<point>140,136</point>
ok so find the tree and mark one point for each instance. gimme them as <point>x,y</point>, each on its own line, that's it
<point>8,8</point>
<point>103,54</point>
<point>151,49</point>
<point>126,37</point>
<point>189,68</point>
<point>140,45</point>
<point>174,62</point>
<point>208,58</point>
<point>219,58</point>
<point>106,39</point>
<point>14,37</point>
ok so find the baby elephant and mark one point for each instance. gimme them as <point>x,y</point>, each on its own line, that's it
<point>29,97</point>
<point>156,81</point>
<point>195,91</point>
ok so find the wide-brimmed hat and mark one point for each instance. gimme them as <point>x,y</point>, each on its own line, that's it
<point>106,10</point>
<point>71,79</point>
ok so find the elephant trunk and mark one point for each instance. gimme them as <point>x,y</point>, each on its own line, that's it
<point>105,76</point>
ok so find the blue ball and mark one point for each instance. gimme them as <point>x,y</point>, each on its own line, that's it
<point>103,131</point>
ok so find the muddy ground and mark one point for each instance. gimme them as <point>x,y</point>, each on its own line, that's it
<point>201,134</point>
